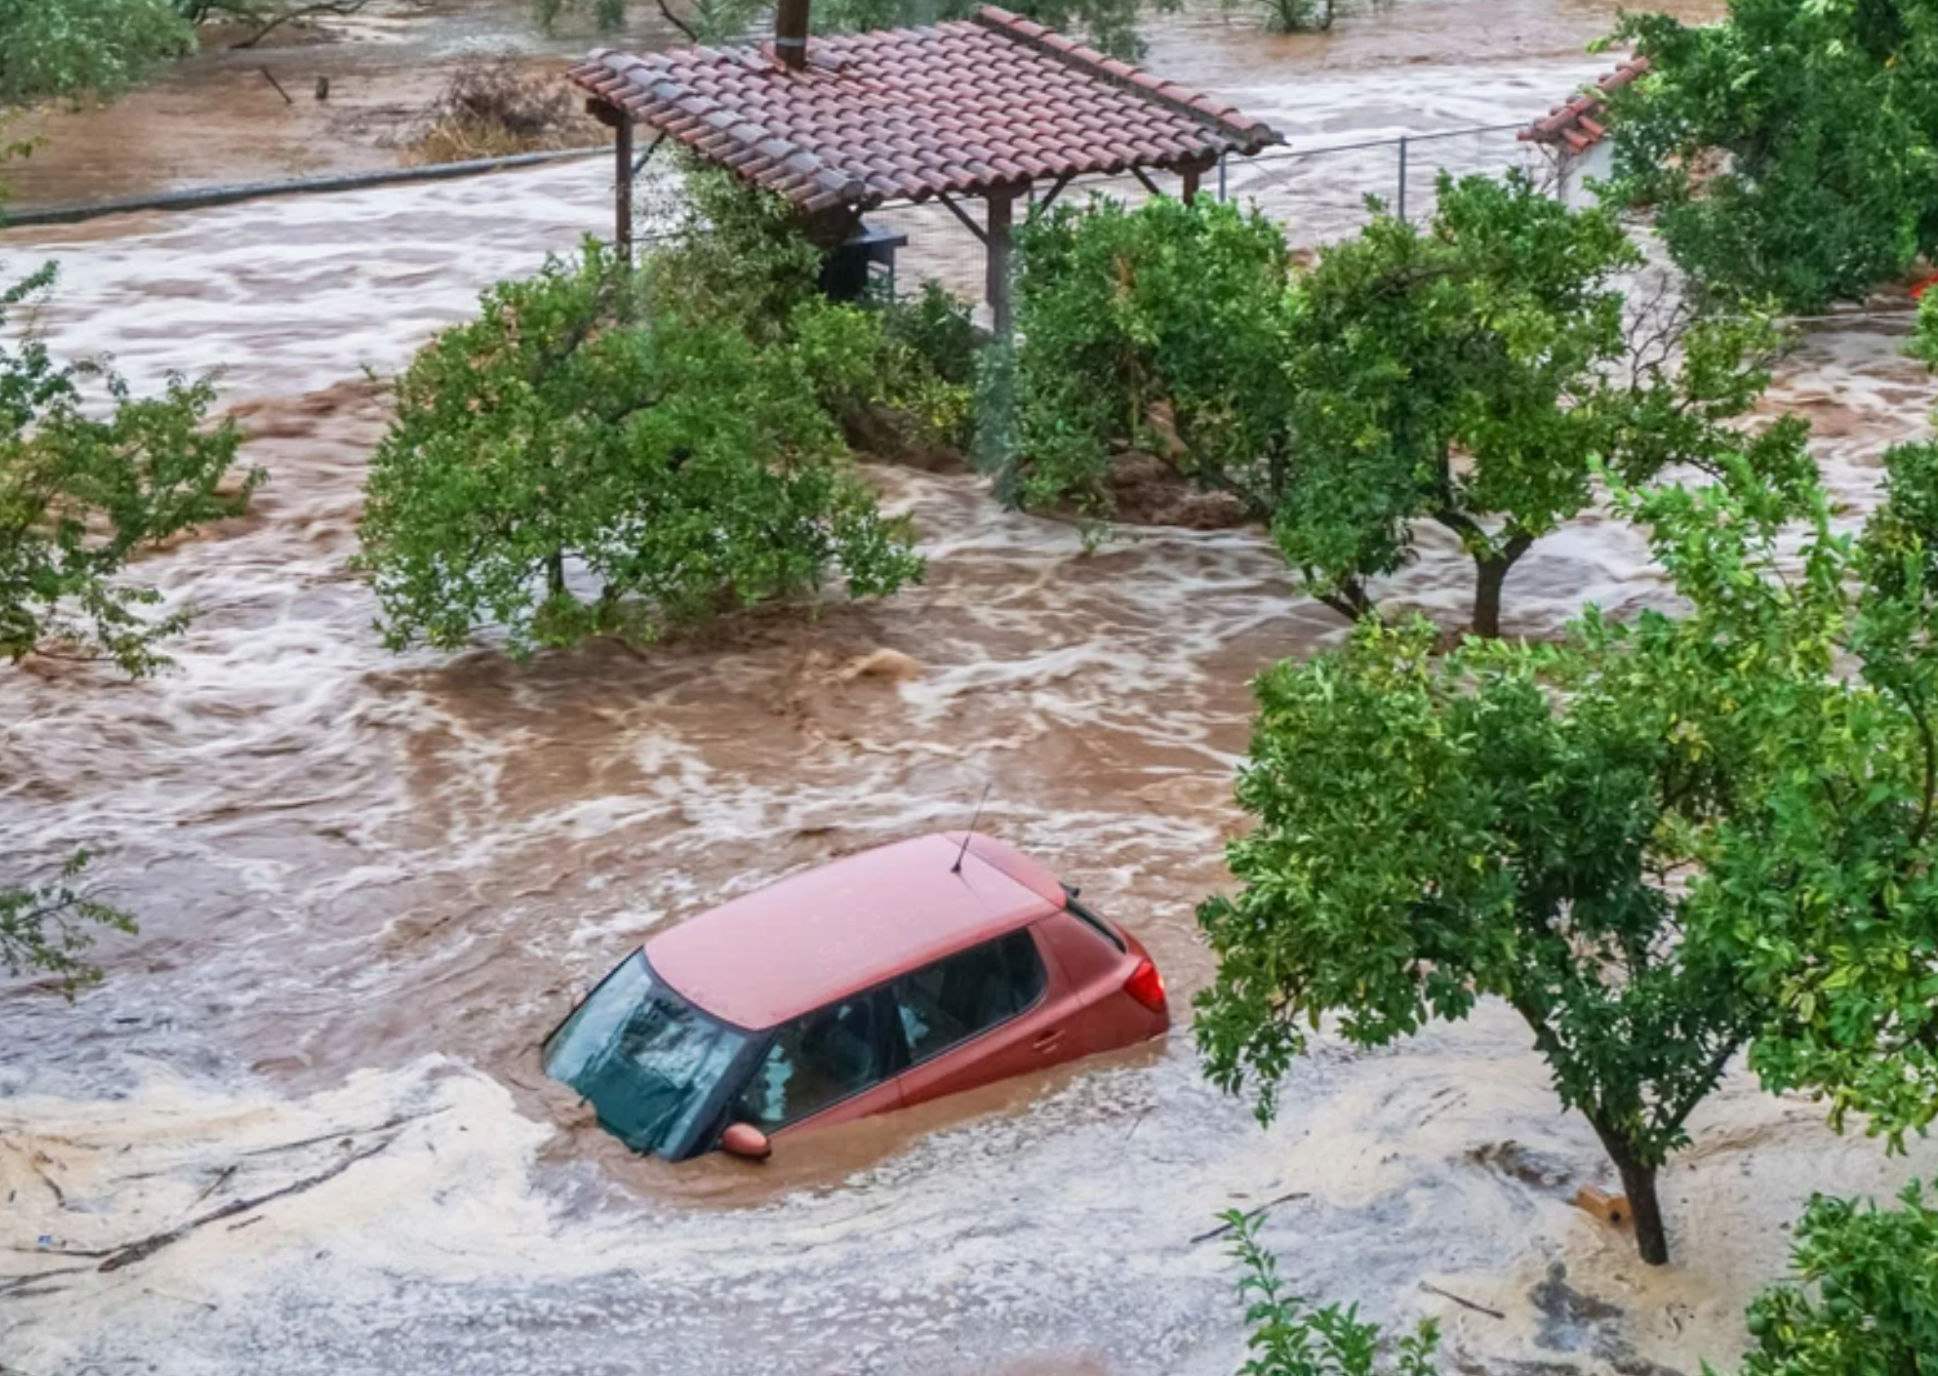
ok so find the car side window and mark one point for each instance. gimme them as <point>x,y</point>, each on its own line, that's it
<point>954,999</point>
<point>814,1062</point>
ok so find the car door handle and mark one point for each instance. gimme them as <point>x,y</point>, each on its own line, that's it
<point>1048,1041</point>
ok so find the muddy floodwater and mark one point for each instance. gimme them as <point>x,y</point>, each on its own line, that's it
<point>369,883</point>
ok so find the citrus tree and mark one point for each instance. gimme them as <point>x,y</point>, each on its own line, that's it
<point>1159,327</point>
<point>1658,843</point>
<point>1472,372</point>
<point>91,477</point>
<point>561,468</point>
<point>1864,1297</point>
<point>1791,151</point>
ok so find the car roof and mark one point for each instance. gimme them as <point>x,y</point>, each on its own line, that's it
<point>813,937</point>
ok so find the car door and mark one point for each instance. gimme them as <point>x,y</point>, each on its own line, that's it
<point>994,1010</point>
<point>835,1064</point>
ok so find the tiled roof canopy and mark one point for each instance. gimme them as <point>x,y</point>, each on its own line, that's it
<point>1578,125</point>
<point>956,108</point>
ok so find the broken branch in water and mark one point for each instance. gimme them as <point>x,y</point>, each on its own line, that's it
<point>1432,1289</point>
<point>148,1246</point>
<point>1228,1225</point>
<point>15,1284</point>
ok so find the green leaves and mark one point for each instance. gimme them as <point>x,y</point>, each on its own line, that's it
<point>1865,1298</point>
<point>48,929</point>
<point>68,49</point>
<point>1290,1338</point>
<point>1157,328</point>
<point>91,475</point>
<point>1792,152</point>
<point>560,468</point>
<point>1473,371</point>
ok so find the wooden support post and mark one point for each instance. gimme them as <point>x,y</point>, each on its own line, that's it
<point>1191,175</point>
<point>1001,203</point>
<point>622,206</point>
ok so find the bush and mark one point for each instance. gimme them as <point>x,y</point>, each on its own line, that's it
<point>1290,1338</point>
<point>1791,151</point>
<point>1157,328</point>
<point>488,110</point>
<point>896,374</point>
<point>561,468</point>
<point>1874,1274</point>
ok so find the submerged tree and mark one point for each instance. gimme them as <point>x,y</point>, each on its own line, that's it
<point>1469,373</point>
<point>1473,372</point>
<point>1657,843</point>
<point>91,476</point>
<point>1791,151</point>
<point>562,468</point>
<point>1159,328</point>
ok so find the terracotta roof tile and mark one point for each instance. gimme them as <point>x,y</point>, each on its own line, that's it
<point>1579,124</point>
<point>954,108</point>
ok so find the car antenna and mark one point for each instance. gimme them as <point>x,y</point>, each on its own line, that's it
<point>957,867</point>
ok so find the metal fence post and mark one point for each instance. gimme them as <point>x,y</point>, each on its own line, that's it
<point>1221,175</point>
<point>1402,176</point>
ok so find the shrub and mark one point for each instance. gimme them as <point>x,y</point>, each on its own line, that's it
<point>1791,152</point>
<point>561,467</point>
<point>1288,1337</point>
<point>1160,328</point>
<point>488,110</point>
<point>1865,1298</point>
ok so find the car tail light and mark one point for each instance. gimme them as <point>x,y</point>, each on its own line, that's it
<point>1146,985</point>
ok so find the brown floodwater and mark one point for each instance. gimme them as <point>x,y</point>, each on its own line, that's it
<point>369,882</point>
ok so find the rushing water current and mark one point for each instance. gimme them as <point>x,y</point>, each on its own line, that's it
<point>368,883</point>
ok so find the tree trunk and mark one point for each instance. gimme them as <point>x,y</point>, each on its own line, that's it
<point>555,574</point>
<point>1645,1209</point>
<point>1491,577</point>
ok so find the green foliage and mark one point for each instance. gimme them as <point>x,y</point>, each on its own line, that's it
<point>1159,328</point>
<point>1875,1307</point>
<point>85,488</point>
<point>1472,372</point>
<point>1655,842</point>
<point>895,374</point>
<point>70,49</point>
<point>91,476</point>
<point>1293,16</point>
<point>48,929</point>
<point>561,468</point>
<point>1792,151</point>
<point>1289,1338</point>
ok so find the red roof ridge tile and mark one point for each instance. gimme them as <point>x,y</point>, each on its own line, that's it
<point>1580,123</point>
<point>1254,135</point>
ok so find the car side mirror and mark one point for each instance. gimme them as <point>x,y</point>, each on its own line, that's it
<point>747,1142</point>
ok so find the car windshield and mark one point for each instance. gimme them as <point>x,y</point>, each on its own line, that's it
<point>646,1059</point>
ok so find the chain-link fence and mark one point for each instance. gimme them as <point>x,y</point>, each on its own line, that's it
<point>1319,194</point>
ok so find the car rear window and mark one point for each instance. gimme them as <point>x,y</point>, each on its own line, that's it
<point>1090,919</point>
<point>953,1000</point>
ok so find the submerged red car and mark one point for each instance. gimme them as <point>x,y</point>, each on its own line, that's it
<point>878,981</point>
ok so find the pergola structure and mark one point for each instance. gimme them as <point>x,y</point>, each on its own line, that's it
<point>983,108</point>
